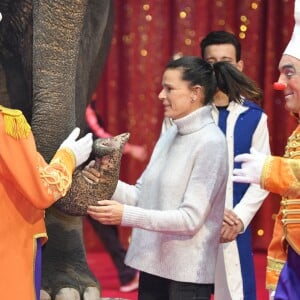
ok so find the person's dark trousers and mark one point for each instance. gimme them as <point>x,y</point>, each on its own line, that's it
<point>157,288</point>
<point>109,236</point>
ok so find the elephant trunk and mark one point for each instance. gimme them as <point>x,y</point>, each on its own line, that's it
<point>56,33</point>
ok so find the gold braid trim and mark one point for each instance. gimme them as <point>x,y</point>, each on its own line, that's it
<point>265,171</point>
<point>293,190</point>
<point>57,176</point>
<point>68,155</point>
<point>274,267</point>
<point>15,124</point>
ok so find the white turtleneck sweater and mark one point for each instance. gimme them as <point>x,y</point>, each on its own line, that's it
<point>177,205</point>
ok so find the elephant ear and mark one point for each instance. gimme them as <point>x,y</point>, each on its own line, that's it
<point>107,153</point>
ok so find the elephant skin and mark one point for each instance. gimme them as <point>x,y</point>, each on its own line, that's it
<point>108,153</point>
<point>52,53</point>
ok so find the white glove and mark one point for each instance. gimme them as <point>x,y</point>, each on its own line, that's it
<point>251,169</point>
<point>81,148</point>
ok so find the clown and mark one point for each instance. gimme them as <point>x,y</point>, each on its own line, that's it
<point>281,175</point>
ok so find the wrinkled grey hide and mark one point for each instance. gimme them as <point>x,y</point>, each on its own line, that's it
<point>108,153</point>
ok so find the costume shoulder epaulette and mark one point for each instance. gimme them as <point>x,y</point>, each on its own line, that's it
<point>15,123</point>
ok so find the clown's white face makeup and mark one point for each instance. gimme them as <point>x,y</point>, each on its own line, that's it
<point>289,68</point>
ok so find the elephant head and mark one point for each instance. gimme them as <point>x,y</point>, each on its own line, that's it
<point>51,55</point>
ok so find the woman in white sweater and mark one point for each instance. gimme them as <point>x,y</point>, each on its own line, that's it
<point>177,205</point>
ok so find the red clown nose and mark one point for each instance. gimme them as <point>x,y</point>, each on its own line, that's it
<point>279,86</point>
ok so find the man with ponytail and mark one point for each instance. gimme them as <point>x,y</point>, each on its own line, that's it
<point>245,125</point>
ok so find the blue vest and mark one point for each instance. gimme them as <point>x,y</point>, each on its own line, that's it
<point>243,132</point>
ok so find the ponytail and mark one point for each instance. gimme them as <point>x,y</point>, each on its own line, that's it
<point>235,84</point>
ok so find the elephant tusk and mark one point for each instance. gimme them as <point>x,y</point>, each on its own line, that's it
<point>0,16</point>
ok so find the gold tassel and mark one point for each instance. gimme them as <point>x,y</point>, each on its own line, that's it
<point>15,123</point>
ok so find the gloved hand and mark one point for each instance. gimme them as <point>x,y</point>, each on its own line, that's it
<point>81,148</point>
<point>251,169</point>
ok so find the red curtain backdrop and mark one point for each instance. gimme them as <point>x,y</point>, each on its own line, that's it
<point>148,33</point>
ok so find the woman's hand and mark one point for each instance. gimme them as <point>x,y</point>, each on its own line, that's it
<point>230,217</point>
<point>230,232</point>
<point>108,212</point>
<point>232,226</point>
<point>90,174</point>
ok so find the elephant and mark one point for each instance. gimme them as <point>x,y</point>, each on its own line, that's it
<point>52,53</point>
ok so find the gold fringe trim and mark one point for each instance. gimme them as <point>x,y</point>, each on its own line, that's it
<point>15,123</point>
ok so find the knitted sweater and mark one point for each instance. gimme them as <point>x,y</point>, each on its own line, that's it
<point>177,205</point>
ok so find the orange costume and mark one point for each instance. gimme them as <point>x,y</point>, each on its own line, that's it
<point>28,185</point>
<point>282,176</point>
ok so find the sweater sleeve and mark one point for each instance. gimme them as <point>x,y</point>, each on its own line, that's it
<point>198,199</point>
<point>126,193</point>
